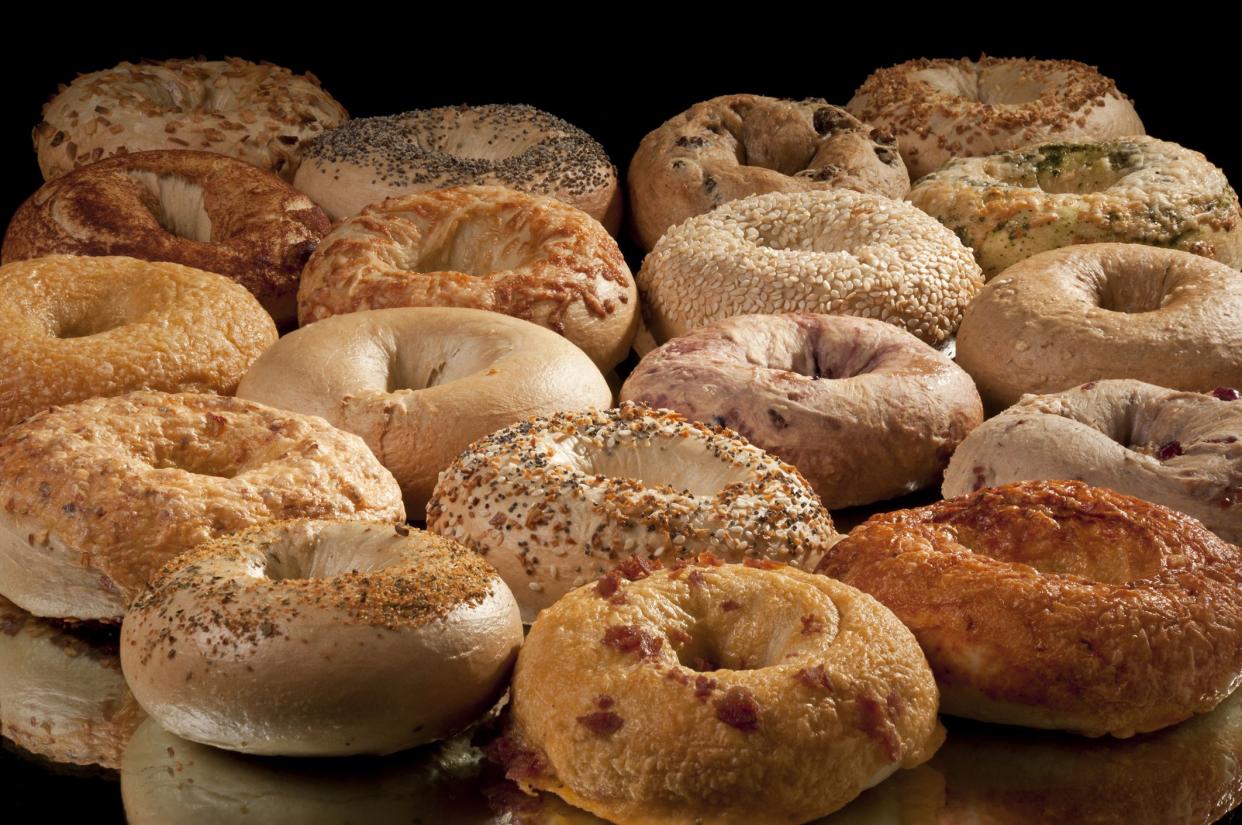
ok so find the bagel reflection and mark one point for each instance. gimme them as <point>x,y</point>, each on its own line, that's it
<point>62,695</point>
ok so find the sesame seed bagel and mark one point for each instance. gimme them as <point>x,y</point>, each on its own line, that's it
<point>1179,449</point>
<point>96,496</point>
<point>733,146</point>
<point>554,502</point>
<point>942,109</point>
<point>717,694</point>
<point>1083,313</point>
<point>834,251</point>
<point>420,384</point>
<point>200,209</point>
<point>519,147</point>
<point>1013,205</point>
<point>255,112</point>
<point>1052,604</point>
<point>73,328</point>
<point>484,247</point>
<point>321,638</point>
<point>62,695</point>
<point>864,410</point>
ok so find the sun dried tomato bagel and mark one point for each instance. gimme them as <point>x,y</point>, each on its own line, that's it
<point>420,384</point>
<point>1013,205</point>
<point>1179,449</point>
<point>1052,604</point>
<point>484,247</point>
<point>554,502</point>
<point>255,112</point>
<point>200,209</point>
<point>832,251</point>
<point>321,638</point>
<point>519,147</point>
<point>863,409</point>
<point>717,694</point>
<point>942,109</point>
<point>1083,313</point>
<point>73,328</point>
<point>96,496</point>
<point>733,146</point>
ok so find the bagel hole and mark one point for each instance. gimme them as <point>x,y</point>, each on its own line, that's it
<point>1135,291</point>
<point>468,246</point>
<point>1074,545</point>
<point>177,204</point>
<point>195,465</point>
<point>328,553</point>
<point>684,467</point>
<point>84,326</point>
<point>703,654</point>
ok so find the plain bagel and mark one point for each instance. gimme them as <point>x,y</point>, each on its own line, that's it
<point>1082,313</point>
<point>863,409</point>
<point>941,109</point>
<point>733,146</point>
<point>419,384</point>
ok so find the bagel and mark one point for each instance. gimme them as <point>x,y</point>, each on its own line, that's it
<point>680,698</point>
<point>200,209</point>
<point>942,109</point>
<point>835,252</point>
<point>733,146</point>
<point>483,247</point>
<point>1013,205</point>
<point>96,496</point>
<point>258,113</point>
<point>73,328</point>
<point>1052,604</point>
<point>1083,313</point>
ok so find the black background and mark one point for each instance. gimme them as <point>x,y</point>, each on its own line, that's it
<point>617,78</point>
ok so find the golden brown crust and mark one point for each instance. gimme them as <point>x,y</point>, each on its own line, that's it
<point>733,146</point>
<point>1054,604</point>
<point>110,489</point>
<point>258,113</point>
<point>484,247</point>
<point>260,231</point>
<point>73,328</point>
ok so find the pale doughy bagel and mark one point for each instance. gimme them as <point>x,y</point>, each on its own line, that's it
<point>835,251</point>
<point>319,638</point>
<point>555,502</point>
<point>200,209</point>
<point>942,109</point>
<point>484,247</point>
<point>683,697</point>
<point>420,384</point>
<point>733,146</point>
<point>863,409</point>
<point>1052,604</point>
<point>520,147</point>
<point>62,695</point>
<point>73,328</point>
<point>1179,449</point>
<point>1013,205</point>
<point>97,495</point>
<point>258,113</point>
<point>1082,313</point>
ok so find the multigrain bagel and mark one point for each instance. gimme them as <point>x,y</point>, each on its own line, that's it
<point>374,637</point>
<point>1069,316</point>
<point>863,409</point>
<point>484,247</point>
<point>200,209</point>
<point>1012,205</point>
<point>1052,604</point>
<point>98,495</point>
<point>683,696</point>
<point>942,109</point>
<point>419,384</point>
<point>519,147</point>
<point>73,328</point>
<point>834,251</point>
<point>258,113</point>
<point>1179,449</point>
<point>733,146</point>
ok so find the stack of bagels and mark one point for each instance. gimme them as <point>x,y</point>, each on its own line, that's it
<point>372,415</point>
